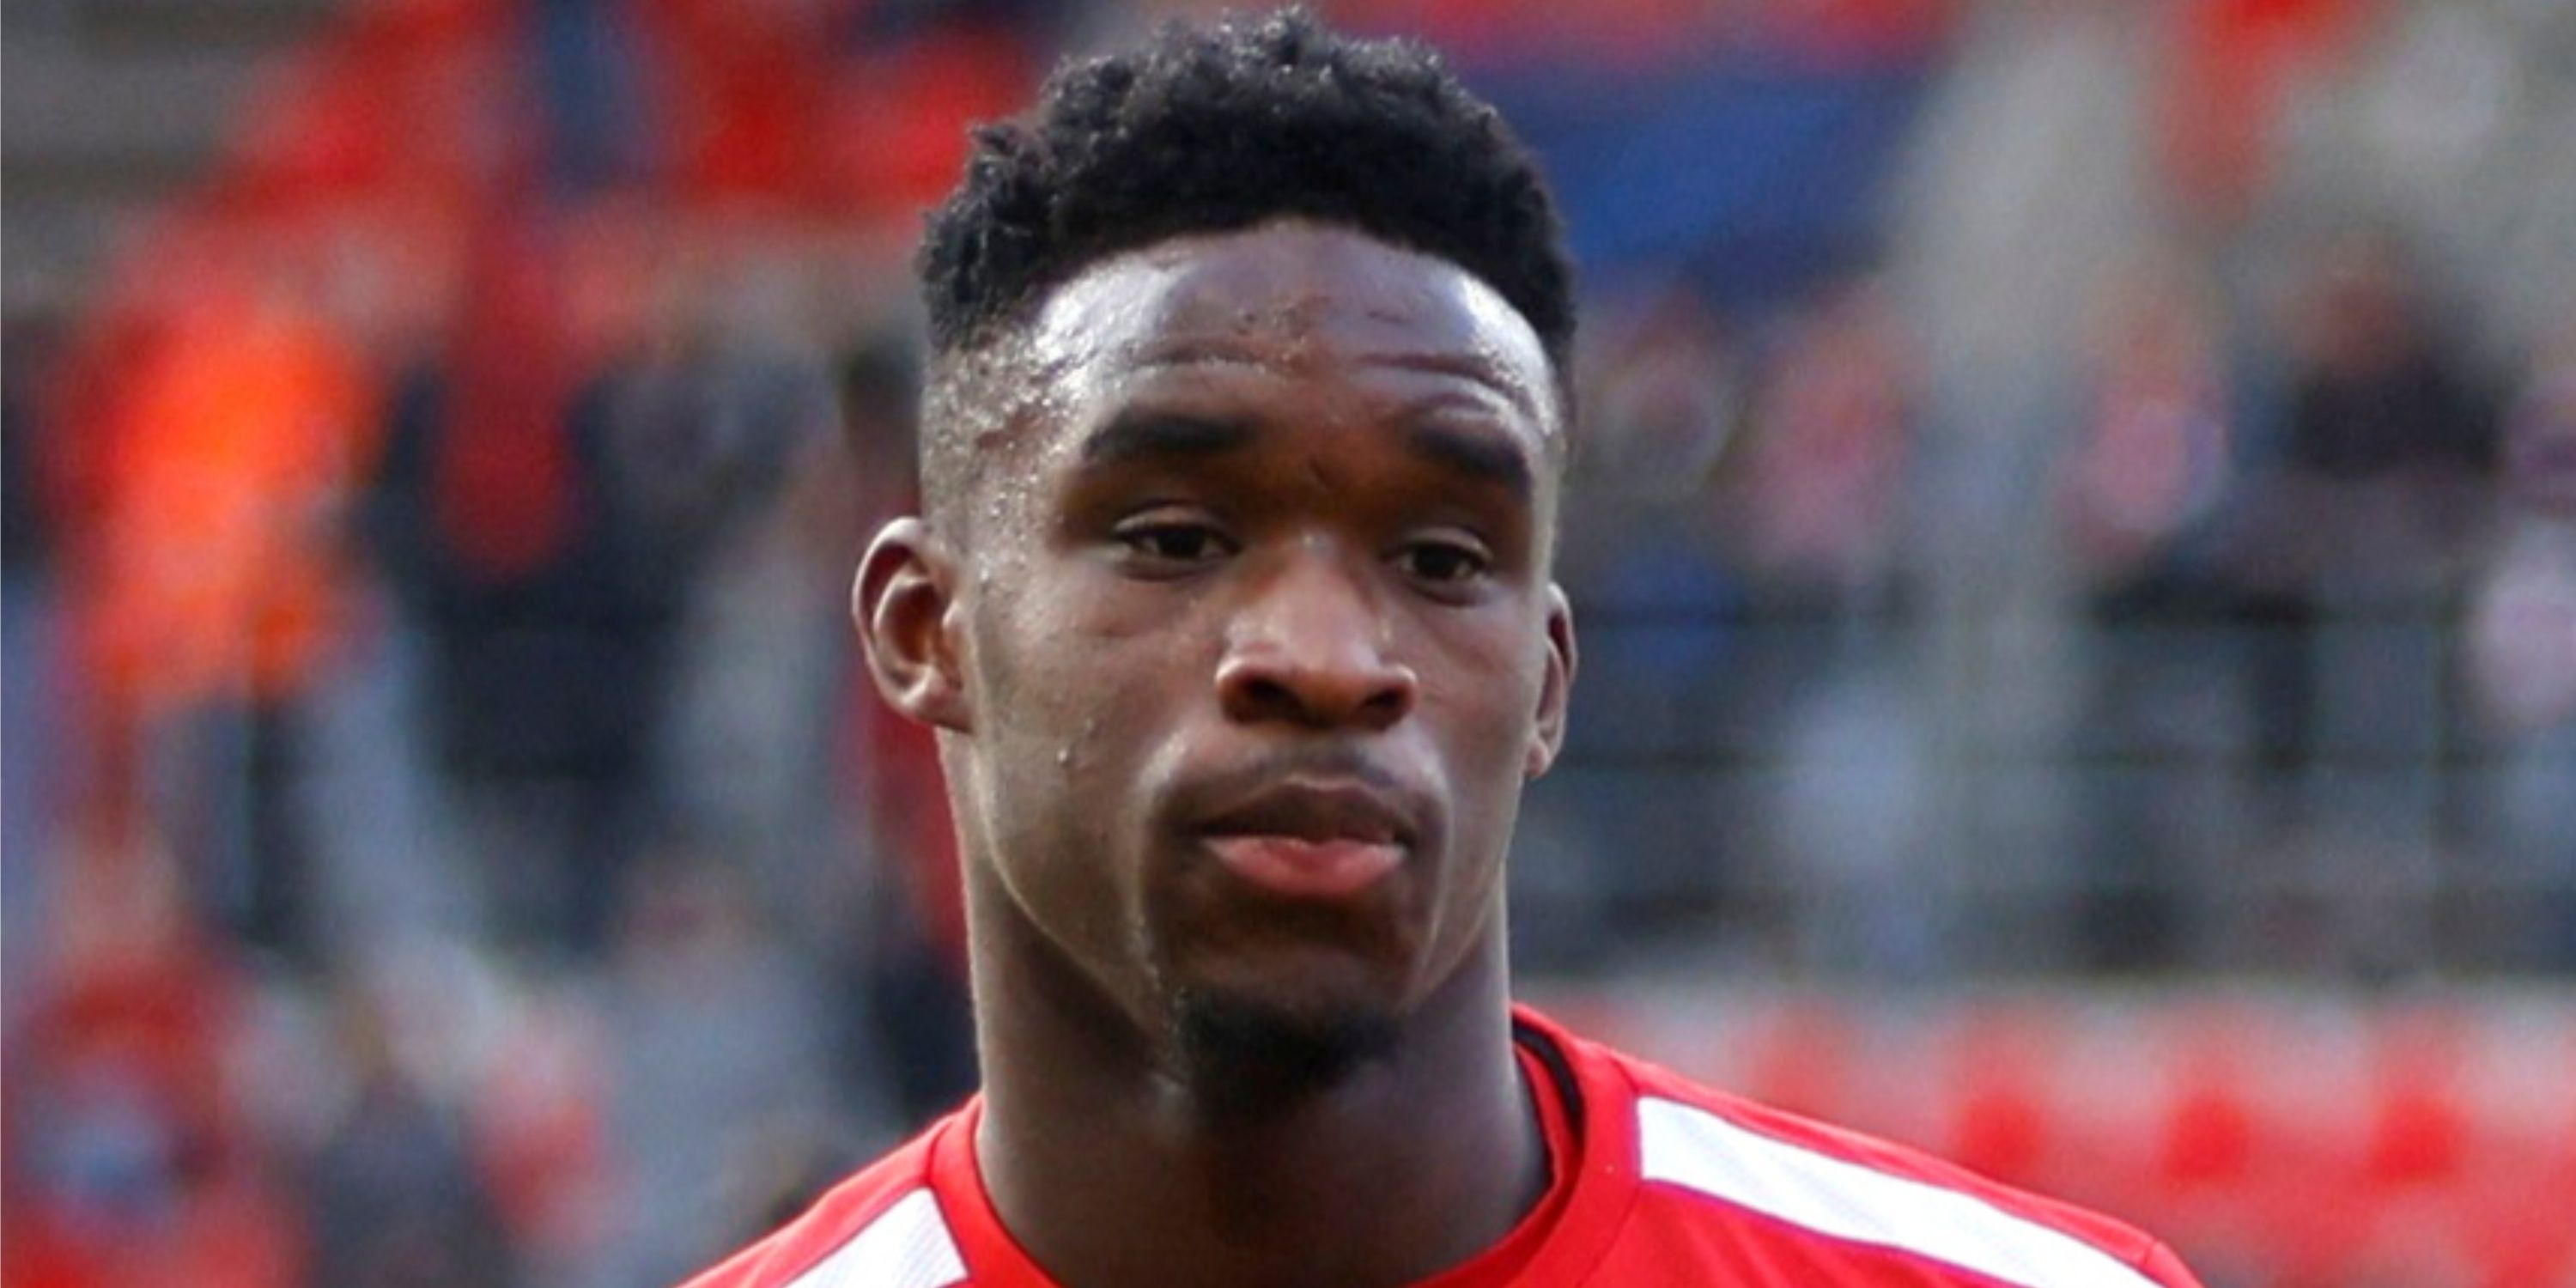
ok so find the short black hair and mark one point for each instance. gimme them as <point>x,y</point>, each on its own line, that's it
<point>1218,129</point>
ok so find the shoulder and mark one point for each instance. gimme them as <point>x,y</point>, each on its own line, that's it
<point>1780,1198</point>
<point>881,1228</point>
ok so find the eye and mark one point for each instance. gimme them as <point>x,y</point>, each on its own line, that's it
<point>1167,545</point>
<point>1443,562</point>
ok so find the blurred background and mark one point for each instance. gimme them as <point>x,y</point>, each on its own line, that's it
<point>2075,544</point>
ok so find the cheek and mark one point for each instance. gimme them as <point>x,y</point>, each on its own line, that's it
<point>1094,676</point>
<point>1486,714</point>
<point>1070,708</point>
<point>1491,680</point>
<point>1030,712</point>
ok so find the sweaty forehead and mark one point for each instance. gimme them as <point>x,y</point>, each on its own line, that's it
<point>1294,296</point>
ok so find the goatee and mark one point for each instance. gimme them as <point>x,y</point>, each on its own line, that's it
<point>1246,1058</point>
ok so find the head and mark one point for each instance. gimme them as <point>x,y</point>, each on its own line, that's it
<point>1231,596</point>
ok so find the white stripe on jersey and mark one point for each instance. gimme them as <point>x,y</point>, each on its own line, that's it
<point>1698,1150</point>
<point>906,1246</point>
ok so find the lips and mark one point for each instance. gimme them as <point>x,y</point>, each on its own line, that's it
<point>1303,840</point>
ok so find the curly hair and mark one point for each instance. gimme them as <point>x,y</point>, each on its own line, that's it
<point>1219,129</point>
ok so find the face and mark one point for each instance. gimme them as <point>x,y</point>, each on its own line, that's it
<point>1244,640</point>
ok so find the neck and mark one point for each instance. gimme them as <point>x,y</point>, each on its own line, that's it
<point>1110,1170</point>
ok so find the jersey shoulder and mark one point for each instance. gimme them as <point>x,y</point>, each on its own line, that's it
<point>1820,1204</point>
<point>880,1228</point>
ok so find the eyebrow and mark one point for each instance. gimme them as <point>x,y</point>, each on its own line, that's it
<point>1139,435</point>
<point>1142,434</point>
<point>1485,456</point>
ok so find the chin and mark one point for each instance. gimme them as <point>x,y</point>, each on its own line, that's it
<point>1244,1054</point>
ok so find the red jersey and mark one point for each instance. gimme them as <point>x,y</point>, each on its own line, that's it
<point>1656,1180</point>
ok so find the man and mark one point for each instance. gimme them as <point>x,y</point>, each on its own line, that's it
<point>1230,601</point>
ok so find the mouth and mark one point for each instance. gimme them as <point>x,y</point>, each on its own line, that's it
<point>1312,840</point>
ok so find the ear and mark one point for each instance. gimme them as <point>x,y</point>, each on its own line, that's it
<point>904,603</point>
<point>1547,735</point>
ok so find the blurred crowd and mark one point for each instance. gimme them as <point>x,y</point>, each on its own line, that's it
<point>2068,488</point>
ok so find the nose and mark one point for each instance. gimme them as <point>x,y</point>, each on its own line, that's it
<point>1310,647</point>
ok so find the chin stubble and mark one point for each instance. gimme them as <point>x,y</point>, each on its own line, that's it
<point>1242,1057</point>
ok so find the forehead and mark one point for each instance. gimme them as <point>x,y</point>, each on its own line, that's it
<point>1300,300</point>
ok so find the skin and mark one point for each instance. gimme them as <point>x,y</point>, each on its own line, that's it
<point>1254,578</point>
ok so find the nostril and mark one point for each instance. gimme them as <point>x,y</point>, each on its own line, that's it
<point>1268,694</point>
<point>1391,702</point>
<point>1316,696</point>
